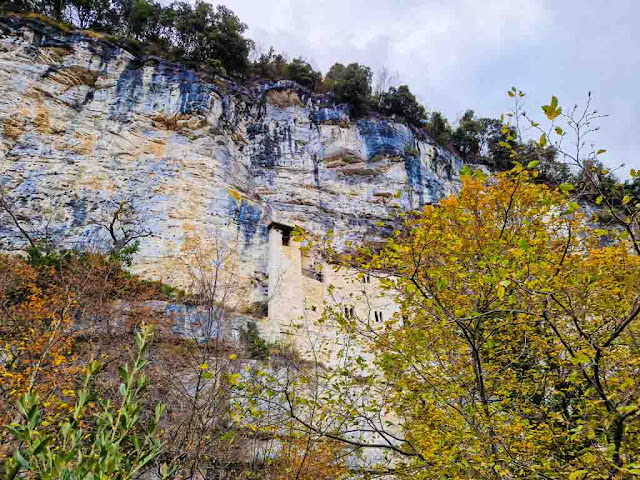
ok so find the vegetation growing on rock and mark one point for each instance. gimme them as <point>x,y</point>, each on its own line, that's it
<point>212,40</point>
<point>514,352</point>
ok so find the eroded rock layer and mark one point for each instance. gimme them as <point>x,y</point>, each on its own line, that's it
<point>85,126</point>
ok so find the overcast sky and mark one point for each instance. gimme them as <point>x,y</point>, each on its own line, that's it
<point>459,54</point>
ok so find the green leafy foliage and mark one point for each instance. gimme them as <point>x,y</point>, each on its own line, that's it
<point>109,442</point>
<point>438,128</point>
<point>259,348</point>
<point>482,140</point>
<point>209,37</point>
<point>203,34</point>
<point>351,85</point>
<point>401,102</point>
<point>301,72</point>
<point>274,66</point>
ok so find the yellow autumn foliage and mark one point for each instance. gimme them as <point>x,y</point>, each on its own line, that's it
<point>516,351</point>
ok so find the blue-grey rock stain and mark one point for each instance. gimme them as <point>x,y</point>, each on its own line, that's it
<point>128,89</point>
<point>414,177</point>
<point>335,114</point>
<point>247,218</point>
<point>79,211</point>
<point>382,137</point>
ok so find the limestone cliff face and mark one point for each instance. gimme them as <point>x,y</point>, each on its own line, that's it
<point>85,125</point>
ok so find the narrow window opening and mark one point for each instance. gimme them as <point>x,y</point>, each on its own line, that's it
<point>285,230</point>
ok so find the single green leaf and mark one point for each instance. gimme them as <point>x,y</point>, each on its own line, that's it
<point>543,140</point>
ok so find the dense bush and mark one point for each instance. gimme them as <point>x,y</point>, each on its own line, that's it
<point>270,65</point>
<point>208,37</point>
<point>302,72</point>
<point>258,347</point>
<point>352,85</point>
<point>108,442</point>
<point>275,66</point>
<point>438,128</point>
<point>478,140</point>
<point>401,102</point>
<point>204,35</point>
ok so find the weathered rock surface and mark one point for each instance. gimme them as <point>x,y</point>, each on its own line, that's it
<point>85,125</point>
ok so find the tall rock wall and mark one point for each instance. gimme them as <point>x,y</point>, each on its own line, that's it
<point>84,126</point>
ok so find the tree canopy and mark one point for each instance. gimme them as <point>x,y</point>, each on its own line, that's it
<point>351,84</point>
<point>514,352</point>
<point>400,101</point>
<point>209,37</point>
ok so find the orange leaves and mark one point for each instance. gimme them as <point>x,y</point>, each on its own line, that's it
<point>309,459</point>
<point>35,332</point>
<point>38,306</point>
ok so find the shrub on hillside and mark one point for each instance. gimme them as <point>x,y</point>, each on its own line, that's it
<point>210,37</point>
<point>104,442</point>
<point>275,66</point>
<point>401,102</point>
<point>303,73</point>
<point>351,85</point>
<point>438,128</point>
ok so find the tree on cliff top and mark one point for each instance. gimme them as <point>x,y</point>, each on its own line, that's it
<point>438,128</point>
<point>350,84</point>
<point>210,37</point>
<point>205,34</point>
<point>401,102</point>
<point>275,66</point>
